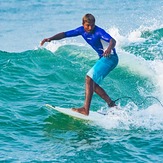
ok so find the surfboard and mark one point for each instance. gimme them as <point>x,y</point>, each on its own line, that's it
<point>92,114</point>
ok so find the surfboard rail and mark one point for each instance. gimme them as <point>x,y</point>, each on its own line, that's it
<point>92,115</point>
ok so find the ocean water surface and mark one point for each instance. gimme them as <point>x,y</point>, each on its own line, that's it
<point>32,76</point>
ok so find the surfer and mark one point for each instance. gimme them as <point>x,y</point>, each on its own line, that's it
<point>108,59</point>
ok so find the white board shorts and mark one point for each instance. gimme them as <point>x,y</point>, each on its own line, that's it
<point>102,68</point>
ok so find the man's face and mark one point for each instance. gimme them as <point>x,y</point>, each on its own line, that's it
<point>89,27</point>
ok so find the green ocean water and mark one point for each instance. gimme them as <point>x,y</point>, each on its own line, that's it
<point>32,133</point>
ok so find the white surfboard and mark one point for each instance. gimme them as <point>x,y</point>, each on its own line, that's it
<point>92,115</point>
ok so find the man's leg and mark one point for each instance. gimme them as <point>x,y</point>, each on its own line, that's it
<point>101,92</point>
<point>89,89</point>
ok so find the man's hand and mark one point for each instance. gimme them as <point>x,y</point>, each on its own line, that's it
<point>107,52</point>
<point>112,44</point>
<point>58,36</point>
<point>45,40</point>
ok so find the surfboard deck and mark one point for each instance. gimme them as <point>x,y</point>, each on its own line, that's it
<point>92,115</point>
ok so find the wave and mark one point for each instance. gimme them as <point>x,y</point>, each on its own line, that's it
<point>131,117</point>
<point>56,74</point>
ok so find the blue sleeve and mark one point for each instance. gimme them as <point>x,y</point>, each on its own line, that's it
<point>104,35</point>
<point>74,32</point>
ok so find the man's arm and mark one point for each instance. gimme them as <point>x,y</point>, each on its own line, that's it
<point>111,46</point>
<point>58,36</point>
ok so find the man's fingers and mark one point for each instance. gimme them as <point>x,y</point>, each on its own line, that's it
<point>42,43</point>
<point>44,40</point>
<point>105,54</point>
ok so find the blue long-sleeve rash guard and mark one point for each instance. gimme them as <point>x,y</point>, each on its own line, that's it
<point>92,38</point>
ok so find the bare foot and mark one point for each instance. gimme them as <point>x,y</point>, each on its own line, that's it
<point>80,110</point>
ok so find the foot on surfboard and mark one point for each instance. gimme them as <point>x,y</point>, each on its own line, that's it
<point>80,110</point>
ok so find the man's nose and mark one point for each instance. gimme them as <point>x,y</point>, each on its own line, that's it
<point>90,27</point>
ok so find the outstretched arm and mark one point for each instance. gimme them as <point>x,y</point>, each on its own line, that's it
<point>111,46</point>
<point>58,36</point>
